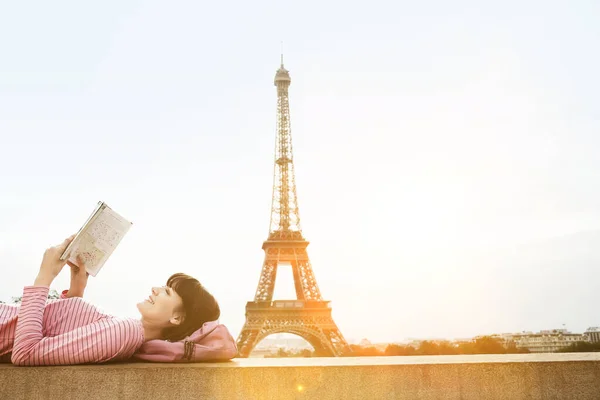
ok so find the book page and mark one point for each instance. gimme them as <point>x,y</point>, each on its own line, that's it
<point>99,239</point>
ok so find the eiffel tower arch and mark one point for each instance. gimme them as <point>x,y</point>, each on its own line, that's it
<point>307,316</point>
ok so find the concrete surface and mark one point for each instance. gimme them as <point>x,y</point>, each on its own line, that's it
<point>524,376</point>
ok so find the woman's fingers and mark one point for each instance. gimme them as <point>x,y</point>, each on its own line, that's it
<point>80,260</point>
<point>65,243</point>
<point>73,266</point>
<point>69,239</point>
<point>76,269</point>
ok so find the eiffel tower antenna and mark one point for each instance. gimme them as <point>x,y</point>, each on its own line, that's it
<point>308,316</point>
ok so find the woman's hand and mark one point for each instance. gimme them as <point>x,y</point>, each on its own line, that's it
<point>51,263</point>
<point>79,278</point>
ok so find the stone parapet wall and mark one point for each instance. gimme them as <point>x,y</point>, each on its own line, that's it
<point>523,376</point>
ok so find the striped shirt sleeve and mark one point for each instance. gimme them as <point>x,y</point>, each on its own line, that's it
<point>107,339</point>
<point>8,323</point>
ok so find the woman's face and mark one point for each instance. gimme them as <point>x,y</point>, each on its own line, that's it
<point>162,307</point>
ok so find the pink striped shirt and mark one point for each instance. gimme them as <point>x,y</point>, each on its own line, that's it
<point>63,332</point>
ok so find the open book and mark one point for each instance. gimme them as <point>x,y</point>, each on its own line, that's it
<point>97,238</point>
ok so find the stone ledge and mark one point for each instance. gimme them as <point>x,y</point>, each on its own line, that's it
<point>522,376</point>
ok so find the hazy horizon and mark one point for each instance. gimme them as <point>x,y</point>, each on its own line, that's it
<point>440,151</point>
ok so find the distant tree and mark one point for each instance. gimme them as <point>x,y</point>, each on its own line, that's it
<point>489,345</point>
<point>282,353</point>
<point>481,345</point>
<point>398,350</point>
<point>447,348</point>
<point>581,347</point>
<point>466,348</point>
<point>427,348</point>
<point>512,348</point>
<point>393,350</point>
<point>305,353</point>
<point>360,351</point>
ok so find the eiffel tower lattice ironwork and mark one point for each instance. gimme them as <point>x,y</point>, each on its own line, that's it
<point>308,316</point>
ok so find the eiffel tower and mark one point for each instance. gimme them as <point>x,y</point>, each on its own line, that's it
<point>307,316</point>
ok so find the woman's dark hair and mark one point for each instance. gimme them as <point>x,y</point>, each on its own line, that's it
<point>199,306</point>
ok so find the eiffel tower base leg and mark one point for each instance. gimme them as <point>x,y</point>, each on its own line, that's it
<point>312,321</point>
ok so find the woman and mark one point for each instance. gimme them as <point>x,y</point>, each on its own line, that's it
<point>72,331</point>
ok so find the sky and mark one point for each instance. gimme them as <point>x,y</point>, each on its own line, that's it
<point>434,144</point>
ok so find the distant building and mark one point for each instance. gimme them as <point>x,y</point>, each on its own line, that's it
<point>593,334</point>
<point>546,341</point>
<point>262,353</point>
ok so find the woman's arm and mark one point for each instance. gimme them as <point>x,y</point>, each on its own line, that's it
<point>79,279</point>
<point>103,340</point>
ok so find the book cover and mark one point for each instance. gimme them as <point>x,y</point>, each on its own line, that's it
<point>97,238</point>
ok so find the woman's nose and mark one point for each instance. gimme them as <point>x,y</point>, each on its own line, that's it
<point>155,291</point>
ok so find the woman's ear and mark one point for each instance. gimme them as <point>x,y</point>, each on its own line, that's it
<point>176,319</point>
